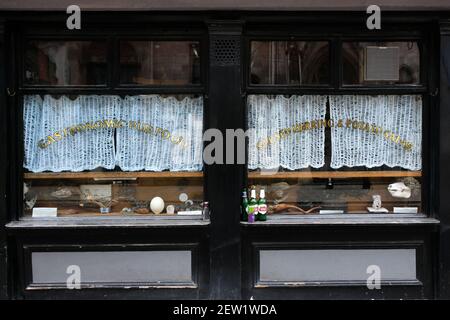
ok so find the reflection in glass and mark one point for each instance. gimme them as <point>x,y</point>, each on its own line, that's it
<point>65,63</point>
<point>355,57</point>
<point>289,62</point>
<point>159,62</point>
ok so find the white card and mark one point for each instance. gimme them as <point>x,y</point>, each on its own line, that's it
<point>331,211</point>
<point>406,210</point>
<point>190,213</point>
<point>370,209</point>
<point>45,212</point>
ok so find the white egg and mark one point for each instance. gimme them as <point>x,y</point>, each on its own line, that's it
<point>157,205</point>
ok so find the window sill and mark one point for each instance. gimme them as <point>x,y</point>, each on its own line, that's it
<point>106,222</point>
<point>345,220</point>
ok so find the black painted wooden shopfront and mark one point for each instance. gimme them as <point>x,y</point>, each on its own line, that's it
<point>226,255</point>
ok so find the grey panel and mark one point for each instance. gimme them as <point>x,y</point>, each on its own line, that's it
<point>113,266</point>
<point>336,264</point>
<point>382,63</point>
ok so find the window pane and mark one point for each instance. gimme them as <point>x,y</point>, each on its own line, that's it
<point>110,155</point>
<point>65,63</point>
<point>159,62</point>
<point>381,63</point>
<point>290,62</point>
<point>336,154</point>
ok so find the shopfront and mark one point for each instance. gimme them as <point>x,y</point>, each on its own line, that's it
<point>105,131</point>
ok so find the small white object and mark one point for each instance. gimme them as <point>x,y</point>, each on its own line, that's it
<point>44,212</point>
<point>376,204</point>
<point>330,211</point>
<point>406,210</point>
<point>399,190</point>
<point>157,205</point>
<point>377,210</point>
<point>170,209</point>
<point>183,197</point>
<point>190,213</point>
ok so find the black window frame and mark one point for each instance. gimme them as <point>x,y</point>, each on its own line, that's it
<point>112,87</point>
<point>389,33</point>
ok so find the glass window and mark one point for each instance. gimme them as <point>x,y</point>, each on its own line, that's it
<point>62,63</point>
<point>381,63</point>
<point>159,62</point>
<point>108,155</point>
<point>289,62</point>
<point>336,154</point>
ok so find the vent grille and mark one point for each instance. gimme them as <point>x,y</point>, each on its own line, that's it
<point>225,52</point>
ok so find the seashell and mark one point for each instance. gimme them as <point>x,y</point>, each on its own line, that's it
<point>157,205</point>
<point>61,193</point>
<point>126,210</point>
<point>142,211</point>
<point>183,197</point>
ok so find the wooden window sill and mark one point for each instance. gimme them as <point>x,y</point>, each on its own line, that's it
<point>345,220</point>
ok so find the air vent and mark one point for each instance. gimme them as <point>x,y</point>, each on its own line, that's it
<point>225,52</point>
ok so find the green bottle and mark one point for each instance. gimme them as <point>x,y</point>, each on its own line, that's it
<point>262,206</point>
<point>252,207</point>
<point>244,206</point>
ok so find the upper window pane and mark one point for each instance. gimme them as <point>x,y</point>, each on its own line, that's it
<point>61,63</point>
<point>290,62</point>
<point>159,62</point>
<point>381,63</point>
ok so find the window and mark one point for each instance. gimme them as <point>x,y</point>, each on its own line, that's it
<point>113,154</point>
<point>289,62</point>
<point>340,153</point>
<point>159,62</point>
<point>63,63</point>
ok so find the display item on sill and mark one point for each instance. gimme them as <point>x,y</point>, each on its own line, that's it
<point>206,212</point>
<point>291,209</point>
<point>142,210</point>
<point>376,205</point>
<point>399,190</point>
<point>406,210</point>
<point>61,193</point>
<point>157,205</point>
<point>262,206</point>
<point>170,209</point>
<point>244,206</point>
<point>252,206</point>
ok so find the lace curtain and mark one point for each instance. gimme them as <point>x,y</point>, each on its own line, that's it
<point>76,135</point>
<point>77,152</point>
<point>178,146</point>
<point>291,149</point>
<point>385,130</point>
<point>368,131</point>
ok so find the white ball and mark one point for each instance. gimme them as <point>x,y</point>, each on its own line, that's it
<point>157,205</point>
